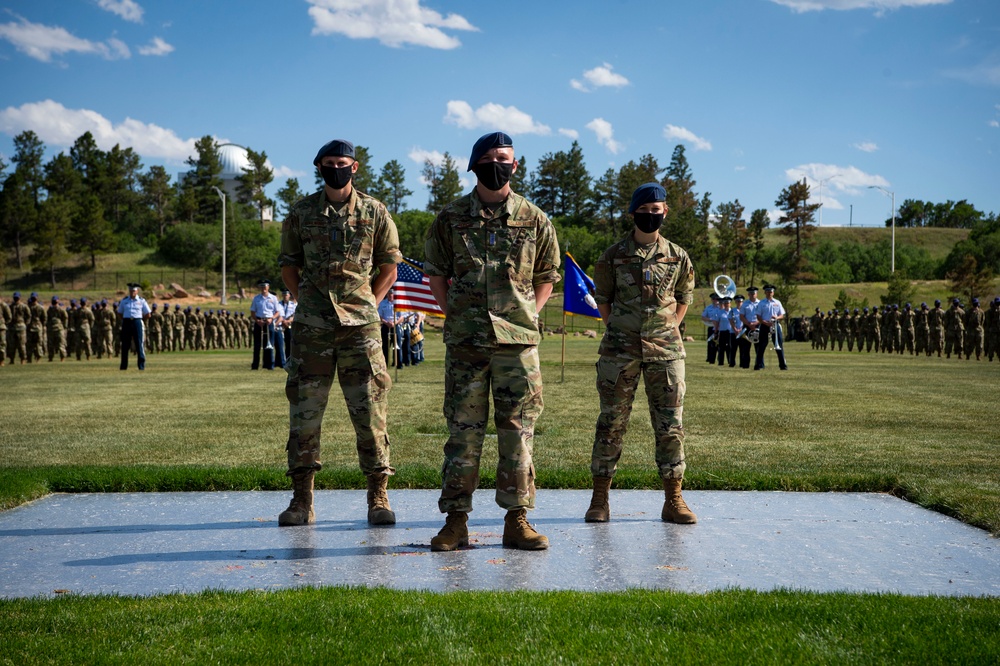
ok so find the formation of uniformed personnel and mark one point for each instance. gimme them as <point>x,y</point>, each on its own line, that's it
<point>492,258</point>
<point>339,250</point>
<point>643,286</point>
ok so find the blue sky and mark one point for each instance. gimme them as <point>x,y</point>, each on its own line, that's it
<point>901,94</point>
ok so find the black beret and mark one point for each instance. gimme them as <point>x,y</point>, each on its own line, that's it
<point>335,148</point>
<point>488,142</point>
<point>648,193</point>
<point>261,282</point>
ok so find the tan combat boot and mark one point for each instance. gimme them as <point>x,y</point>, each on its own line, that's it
<point>454,534</point>
<point>379,512</point>
<point>518,533</point>
<point>674,508</point>
<point>300,510</point>
<point>599,511</point>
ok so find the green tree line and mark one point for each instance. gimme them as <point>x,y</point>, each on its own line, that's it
<point>90,202</point>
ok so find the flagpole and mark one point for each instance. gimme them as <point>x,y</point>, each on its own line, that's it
<point>562,362</point>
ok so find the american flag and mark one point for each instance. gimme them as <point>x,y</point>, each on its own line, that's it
<point>412,291</point>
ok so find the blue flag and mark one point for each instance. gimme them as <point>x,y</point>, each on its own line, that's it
<point>578,292</point>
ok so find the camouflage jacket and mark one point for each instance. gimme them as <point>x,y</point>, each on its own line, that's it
<point>5,315</point>
<point>935,319</point>
<point>56,319</point>
<point>84,317</point>
<point>974,319</point>
<point>37,317</point>
<point>494,263</point>
<point>337,256</point>
<point>643,285</point>
<point>954,319</point>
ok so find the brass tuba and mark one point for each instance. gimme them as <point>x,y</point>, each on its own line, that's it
<point>725,286</point>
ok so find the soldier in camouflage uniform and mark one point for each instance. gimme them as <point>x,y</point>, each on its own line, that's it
<point>907,326</point>
<point>862,318</point>
<point>154,332</point>
<point>36,329</point>
<point>84,326</point>
<point>935,327</point>
<point>5,319</point>
<point>816,328</point>
<point>874,330</point>
<point>643,286</point>
<point>20,317</point>
<point>974,319</point>
<point>993,329</point>
<point>339,250</point>
<point>105,338</point>
<point>954,329</point>
<point>843,324</point>
<point>501,255</point>
<point>921,334</point>
<point>56,321</point>
<point>179,329</point>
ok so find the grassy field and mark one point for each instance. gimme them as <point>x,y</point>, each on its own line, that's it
<point>923,429</point>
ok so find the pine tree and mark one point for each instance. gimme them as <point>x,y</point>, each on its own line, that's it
<point>797,223</point>
<point>288,195</point>
<point>198,201</point>
<point>256,176</point>
<point>90,232</point>
<point>54,218</point>
<point>443,182</point>
<point>392,188</point>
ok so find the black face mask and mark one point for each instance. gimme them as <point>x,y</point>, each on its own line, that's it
<point>336,177</point>
<point>648,222</point>
<point>494,175</point>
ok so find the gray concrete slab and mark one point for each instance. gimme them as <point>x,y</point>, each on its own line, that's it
<point>149,543</point>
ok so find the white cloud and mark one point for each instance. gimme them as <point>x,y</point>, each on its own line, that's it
<point>41,42</point>
<point>493,116</point>
<point>833,179</point>
<point>127,9</point>
<point>605,135</point>
<point>994,123</point>
<point>392,22</point>
<point>880,6</point>
<point>571,133</point>
<point>983,74</point>
<point>741,168</point>
<point>157,47</point>
<point>55,124</point>
<point>867,146</point>
<point>600,77</point>
<point>419,155</point>
<point>685,135</point>
<point>286,172</point>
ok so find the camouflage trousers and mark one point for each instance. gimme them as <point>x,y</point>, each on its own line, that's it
<point>953,340</point>
<point>57,343</point>
<point>354,353</point>
<point>18,343</point>
<point>936,340</point>
<point>83,342</point>
<point>513,374</point>
<point>617,381</point>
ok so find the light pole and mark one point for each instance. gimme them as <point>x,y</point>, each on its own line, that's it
<point>893,196</point>
<point>821,197</point>
<point>222,195</point>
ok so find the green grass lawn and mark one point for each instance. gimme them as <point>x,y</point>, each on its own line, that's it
<point>921,428</point>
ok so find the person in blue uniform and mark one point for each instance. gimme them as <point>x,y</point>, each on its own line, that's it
<point>134,311</point>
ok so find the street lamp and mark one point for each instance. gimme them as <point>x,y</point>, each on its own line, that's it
<point>893,196</point>
<point>222,195</point>
<point>821,197</point>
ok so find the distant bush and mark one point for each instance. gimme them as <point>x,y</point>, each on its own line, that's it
<point>189,244</point>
